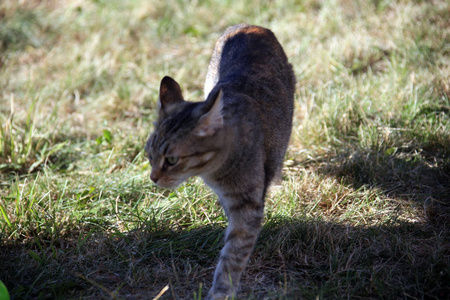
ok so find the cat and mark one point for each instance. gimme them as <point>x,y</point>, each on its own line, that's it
<point>235,140</point>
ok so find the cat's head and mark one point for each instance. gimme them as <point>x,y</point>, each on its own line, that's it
<point>187,137</point>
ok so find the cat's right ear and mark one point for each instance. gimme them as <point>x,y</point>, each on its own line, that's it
<point>169,96</point>
<point>212,120</point>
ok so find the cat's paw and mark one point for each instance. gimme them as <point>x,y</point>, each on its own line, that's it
<point>219,295</point>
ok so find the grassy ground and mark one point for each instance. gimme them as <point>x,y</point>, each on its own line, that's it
<point>363,211</point>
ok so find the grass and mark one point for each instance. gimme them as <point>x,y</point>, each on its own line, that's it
<point>363,210</point>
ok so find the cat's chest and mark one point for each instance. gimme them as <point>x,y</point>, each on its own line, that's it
<point>215,186</point>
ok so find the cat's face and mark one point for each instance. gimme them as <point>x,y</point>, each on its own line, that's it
<point>174,161</point>
<point>186,139</point>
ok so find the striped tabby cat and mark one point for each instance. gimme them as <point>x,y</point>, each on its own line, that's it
<point>235,140</point>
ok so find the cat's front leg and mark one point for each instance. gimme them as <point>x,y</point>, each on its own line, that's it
<point>244,223</point>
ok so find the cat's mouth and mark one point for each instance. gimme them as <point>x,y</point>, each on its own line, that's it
<point>168,183</point>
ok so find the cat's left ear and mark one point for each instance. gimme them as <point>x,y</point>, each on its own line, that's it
<point>212,120</point>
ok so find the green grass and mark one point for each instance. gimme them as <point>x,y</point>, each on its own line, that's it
<point>363,210</point>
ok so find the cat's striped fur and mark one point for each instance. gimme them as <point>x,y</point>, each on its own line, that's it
<point>235,140</point>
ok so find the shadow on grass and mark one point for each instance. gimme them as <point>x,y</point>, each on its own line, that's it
<point>406,176</point>
<point>293,259</point>
<point>414,174</point>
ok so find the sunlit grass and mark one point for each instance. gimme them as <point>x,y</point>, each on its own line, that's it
<point>363,207</point>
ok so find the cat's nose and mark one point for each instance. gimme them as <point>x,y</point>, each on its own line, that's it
<point>154,176</point>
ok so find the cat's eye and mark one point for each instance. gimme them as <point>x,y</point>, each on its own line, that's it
<point>171,160</point>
